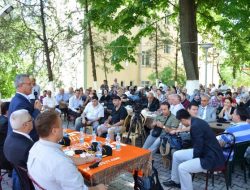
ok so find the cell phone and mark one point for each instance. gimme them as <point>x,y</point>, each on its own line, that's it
<point>95,165</point>
<point>79,151</point>
<point>219,124</point>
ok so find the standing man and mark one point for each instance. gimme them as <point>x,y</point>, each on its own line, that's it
<point>206,153</point>
<point>21,101</point>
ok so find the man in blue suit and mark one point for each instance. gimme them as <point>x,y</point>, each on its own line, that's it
<point>21,101</point>
<point>18,143</point>
<point>206,153</point>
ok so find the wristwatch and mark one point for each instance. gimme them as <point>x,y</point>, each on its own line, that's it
<point>164,127</point>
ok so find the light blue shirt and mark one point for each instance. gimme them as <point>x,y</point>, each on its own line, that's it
<point>52,169</point>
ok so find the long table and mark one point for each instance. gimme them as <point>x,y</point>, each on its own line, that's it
<point>128,159</point>
<point>219,127</point>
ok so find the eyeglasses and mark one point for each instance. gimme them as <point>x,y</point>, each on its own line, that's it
<point>28,83</point>
<point>31,120</point>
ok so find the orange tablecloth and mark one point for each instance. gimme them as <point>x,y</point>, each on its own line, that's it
<point>129,158</point>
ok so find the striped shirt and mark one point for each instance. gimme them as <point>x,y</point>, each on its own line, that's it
<point>241,131</point>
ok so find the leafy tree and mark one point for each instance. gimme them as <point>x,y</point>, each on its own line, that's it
<point>167,76</point>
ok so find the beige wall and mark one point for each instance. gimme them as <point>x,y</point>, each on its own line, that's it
<point>132,72</point>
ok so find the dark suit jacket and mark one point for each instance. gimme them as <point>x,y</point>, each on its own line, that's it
<point>16,149</point>
<point>205,145</point>
<point>3,134</point>
<point>20,102</point>
<point>155,105</point>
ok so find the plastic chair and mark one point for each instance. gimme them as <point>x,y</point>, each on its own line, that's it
<point>238,157</point>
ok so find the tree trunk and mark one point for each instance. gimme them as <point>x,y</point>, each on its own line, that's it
<point>91,44</point>
<point>156,51</point>
<point>176,56</point>
<point>45,43</point>
<point>188,38</point>
<point>105,66</point>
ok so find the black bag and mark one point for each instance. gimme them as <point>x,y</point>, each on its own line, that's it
<point>157,130</point>
<point>185,140</point>
<point>65,141</point>
<point>148,183</point>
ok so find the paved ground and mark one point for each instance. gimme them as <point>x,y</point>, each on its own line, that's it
<point>125,181</point>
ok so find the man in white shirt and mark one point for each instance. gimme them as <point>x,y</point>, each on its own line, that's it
<point>75,104</point>
<point>48,165</point>
<point>176,103</point>
<point>35,94</point>
<point>91,115</point>
<point>49,102</point>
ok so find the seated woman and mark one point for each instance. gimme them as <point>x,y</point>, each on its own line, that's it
<point>225,112</point>
<point>105,99</point>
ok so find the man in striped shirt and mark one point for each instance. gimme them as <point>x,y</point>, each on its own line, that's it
<point>241,129</point>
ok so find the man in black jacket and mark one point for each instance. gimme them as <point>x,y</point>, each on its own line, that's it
<point>205,154</point>
<point>17,144</point>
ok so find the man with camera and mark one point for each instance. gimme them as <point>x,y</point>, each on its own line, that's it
<point>163,123</point>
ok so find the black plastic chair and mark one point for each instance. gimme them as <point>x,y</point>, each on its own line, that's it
<point>238,157</point>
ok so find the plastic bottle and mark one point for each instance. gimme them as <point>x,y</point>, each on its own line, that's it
<point>98,153</point>
<point>81,136</point>
<point>93,137</point>
<point>107,140</point>
<point>118,142</point>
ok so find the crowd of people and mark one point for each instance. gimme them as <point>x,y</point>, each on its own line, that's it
<point>31,126</point>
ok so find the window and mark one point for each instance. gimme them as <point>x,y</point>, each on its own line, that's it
<point>145,83</point>
<point>131,83</point>
<point>167,48</point>
<point>145,58</point>
<point>122,83</point>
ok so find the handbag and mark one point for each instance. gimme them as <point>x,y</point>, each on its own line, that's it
<point>157,130</point>
<point>151,182</point>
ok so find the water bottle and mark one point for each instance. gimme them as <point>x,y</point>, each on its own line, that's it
<point>98,153</point>
<point>93,137</point>
<point>107,140</point>
<point>81,136</point>
<point>118,142</point>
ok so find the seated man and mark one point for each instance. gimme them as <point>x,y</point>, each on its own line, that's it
<point>206,153</point>
<point>48,165</point>
<point>153,103</point>
<point>91,115</point>
<point>49,102</point>
<point>75,104</point>
<point>175,103</point>
<point>114,124</point>
<point>62,101</point>
<point>18,143</point>
<point>205,111</point>
<point>166,121</point>
<point>240,129</point>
